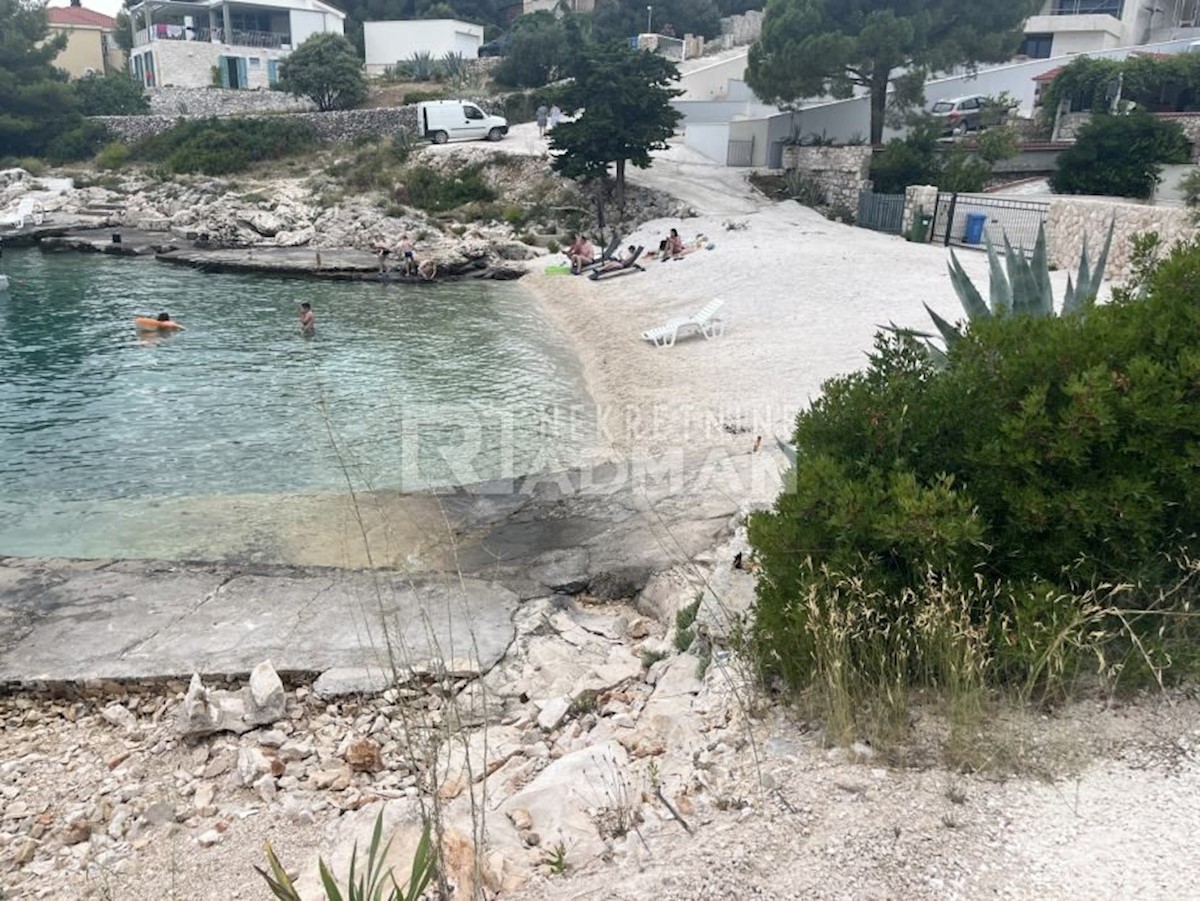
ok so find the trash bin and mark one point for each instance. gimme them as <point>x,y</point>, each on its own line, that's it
<point>919,232</point>
<point>974,230</point>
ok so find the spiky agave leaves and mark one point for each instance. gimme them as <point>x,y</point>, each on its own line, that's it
<point>1082,293</point>
<point>1019,287</point>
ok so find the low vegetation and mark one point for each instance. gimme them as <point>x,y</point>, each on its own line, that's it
<point>221,146</point>
<point>1010,524</point>
<point>920,158</point>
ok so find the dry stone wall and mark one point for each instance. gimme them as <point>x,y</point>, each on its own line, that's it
<point>843,172</point>
<point>344,125</point>
<point>222,102</point>
<point>1072,220</point>
<point>918,197</point>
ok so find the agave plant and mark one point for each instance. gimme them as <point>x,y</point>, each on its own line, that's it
<point>371,884</point>
<point>421,66</point>
<point>1019,287</point>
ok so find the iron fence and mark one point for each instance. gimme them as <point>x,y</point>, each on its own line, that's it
<point>740,153</point>
<point>880,212</point>
<point>969,220</point>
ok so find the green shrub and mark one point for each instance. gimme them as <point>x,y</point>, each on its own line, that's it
<point>1052,456</point>
<point>114,155</point>
<point>30,164</point>
<point>116,94</point>
<point>1120,156</point>
<point>220,146</point>
<point>424,96</point>
<point>428,190</point>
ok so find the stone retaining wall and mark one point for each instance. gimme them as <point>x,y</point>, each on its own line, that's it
<point>222,102</point>
<point>345,125</point>
<point>1071,219</point>
<point>843,172</point>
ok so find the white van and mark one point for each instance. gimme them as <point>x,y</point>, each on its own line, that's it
<point>445,120</point>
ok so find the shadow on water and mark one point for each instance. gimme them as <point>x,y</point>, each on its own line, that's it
<point>415,385</point>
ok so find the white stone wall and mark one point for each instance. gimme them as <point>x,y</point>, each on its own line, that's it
<point>1071,219</point>
<point>842,171</point>
<point>189,64</point>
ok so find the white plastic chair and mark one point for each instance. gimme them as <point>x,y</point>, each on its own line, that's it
<point>706,322</point>
<point>28,211</point>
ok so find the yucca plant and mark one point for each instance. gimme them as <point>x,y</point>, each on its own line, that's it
<point>369,885</point>
<point>1019,287</point>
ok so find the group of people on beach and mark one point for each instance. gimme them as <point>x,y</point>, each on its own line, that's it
<point>582,252</point>
<point>406,251</point>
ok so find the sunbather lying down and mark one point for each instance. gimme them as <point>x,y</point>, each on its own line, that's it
<point>673,248</point>
<point>621,262</point>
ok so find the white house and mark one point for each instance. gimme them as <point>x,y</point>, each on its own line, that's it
<point>391,42</point>
<point>1084,26</point>
<point>235,45</point>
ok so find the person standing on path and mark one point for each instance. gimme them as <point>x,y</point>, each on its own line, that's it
<point>308,325</point>
<point>555,116</point>
<point>541,115</point>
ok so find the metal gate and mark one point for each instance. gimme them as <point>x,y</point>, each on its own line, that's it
<point>740,153</point>
<point>966,220</point>
<point>880,212</point>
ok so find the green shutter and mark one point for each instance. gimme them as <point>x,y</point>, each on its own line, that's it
<point>223,68</point>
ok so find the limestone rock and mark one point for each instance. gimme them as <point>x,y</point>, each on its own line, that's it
<point>119,716</point>
<point>252,763</point>
<point>268,701</point>
<point>552,714</point>
<point>363,756</point>
<point>558,800</point>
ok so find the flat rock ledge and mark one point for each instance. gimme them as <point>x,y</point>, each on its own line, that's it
<point>610,532</point>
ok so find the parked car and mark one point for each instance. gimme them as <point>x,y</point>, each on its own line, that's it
<point>444,120</point>
<point>960,115</point>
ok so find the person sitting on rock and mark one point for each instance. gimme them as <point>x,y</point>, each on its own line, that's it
<point>427,270</point>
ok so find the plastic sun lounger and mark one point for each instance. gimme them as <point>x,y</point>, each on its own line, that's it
<point>27,211</point>
<point>706,322</point>
<point>605,255</point>
<point>626,266</point>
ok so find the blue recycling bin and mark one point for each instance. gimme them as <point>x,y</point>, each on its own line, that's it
<point>974,230</point>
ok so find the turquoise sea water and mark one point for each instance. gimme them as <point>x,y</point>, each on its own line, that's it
<point>401,387</point>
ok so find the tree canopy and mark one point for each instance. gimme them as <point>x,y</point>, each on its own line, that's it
<point>37,106</point>
<point>326,70</point>
<point>625,97</point>
<point>619,19</point>
<point>538,51</point>
<point>811,48</point>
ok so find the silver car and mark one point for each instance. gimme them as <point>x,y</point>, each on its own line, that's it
<point>960,115</point>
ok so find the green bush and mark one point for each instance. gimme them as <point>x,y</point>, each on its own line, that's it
<point>111,95</point>
<point>114,155</point>
<point>423,96</point>
<point>221,146</point>
<point>428,190</point>
<point>1120,156</point>
<point>1050,457</point>
<point>374,165</point>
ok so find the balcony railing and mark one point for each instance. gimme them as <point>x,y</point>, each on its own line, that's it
<point>166,32</point>
<point>1112,8</point>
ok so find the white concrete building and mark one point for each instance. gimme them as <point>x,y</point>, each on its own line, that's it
<point>218,42</point>
<point>391,42</point>
<point>1065,27</point>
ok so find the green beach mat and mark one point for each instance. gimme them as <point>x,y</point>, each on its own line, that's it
<point>558,270</point>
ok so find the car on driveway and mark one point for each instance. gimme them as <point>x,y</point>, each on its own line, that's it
<point>960,115</point>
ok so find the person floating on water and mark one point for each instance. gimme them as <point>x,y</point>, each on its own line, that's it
<point>160,323</point>
<point>308,324</point>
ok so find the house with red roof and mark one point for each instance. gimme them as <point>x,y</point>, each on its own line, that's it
<point>91,44</point>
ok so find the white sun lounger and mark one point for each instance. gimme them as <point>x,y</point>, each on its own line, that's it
<point>29,211</point>
<point>707,322</point>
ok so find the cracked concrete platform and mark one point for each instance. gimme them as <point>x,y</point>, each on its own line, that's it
<point>604,530</point>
